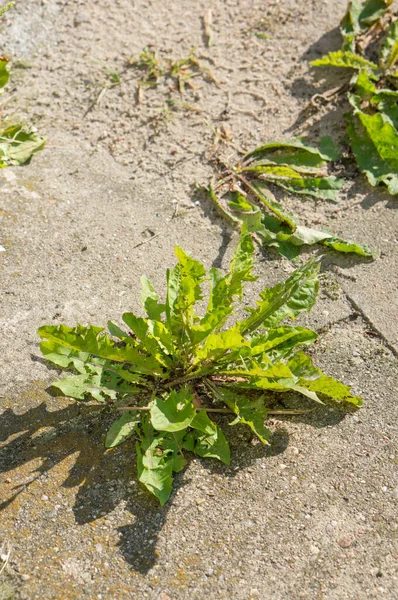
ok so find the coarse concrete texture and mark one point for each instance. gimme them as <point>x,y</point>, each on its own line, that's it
<point>313,516</point>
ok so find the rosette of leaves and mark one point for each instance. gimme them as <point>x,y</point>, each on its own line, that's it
<point>244,196</point>
<point>174,368</point>
<point>370,53</point>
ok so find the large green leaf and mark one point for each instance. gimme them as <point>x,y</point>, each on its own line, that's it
<point>18,144</point>
<point>209,439</point>
<point>330,387</point>
<point>122,429</point>
<point>154,471</point>
<point>278,342</point>
<point>83,362</point>
<point>157,457</point>
<point>183,291</point>
<point>173,413</point>
<point>219,344</point>
<point>93,384</point>
<point>285,239</point>
<point>94,341</point>
<point>142,330</point>
<point>374,142</point>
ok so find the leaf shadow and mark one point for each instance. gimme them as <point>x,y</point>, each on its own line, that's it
<point>70,440</point>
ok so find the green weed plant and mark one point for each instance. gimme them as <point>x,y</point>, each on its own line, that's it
<point>170,371</point>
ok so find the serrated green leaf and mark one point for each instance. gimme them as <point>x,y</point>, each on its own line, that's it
<point>288,299</point>
<point>94,341</point>
<point>65,357</point>
<point>175,412</point>
<point>84,363</point>
<point>225,289</point>
<point>79,386</point>
<point>347,60</point>
<point>278,342</point>
<point>330,387</point>
<point>142,330</point>
<point>374,142</point>
<point>210,441</point>
<point>18,144</point>
<point>122,429</point>
<point>157,457</point>
<point>219,344</point>
<point>155,472</point>
<point>183,291</point>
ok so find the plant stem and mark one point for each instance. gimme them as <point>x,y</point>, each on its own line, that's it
<point>183,379</point>
<point>223,410</point>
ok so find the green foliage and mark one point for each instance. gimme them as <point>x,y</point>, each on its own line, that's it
<point>173,368</point>
<point>348,60</point>
<point>297,168</point>
<point>4,72</point>
<point>6,7</point>
<point>372,125</point>
<point>18,144</point>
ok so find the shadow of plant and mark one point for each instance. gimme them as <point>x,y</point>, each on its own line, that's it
<point>106,478</point>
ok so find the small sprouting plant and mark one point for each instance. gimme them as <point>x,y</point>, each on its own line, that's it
<point>186,69</point>
<point>181,71</point>
<point>150,65</point>
<point>169,372</point>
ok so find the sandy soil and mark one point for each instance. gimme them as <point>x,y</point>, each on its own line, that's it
<point>313,516</point>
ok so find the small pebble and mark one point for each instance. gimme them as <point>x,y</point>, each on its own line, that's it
<point>345,541</point>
